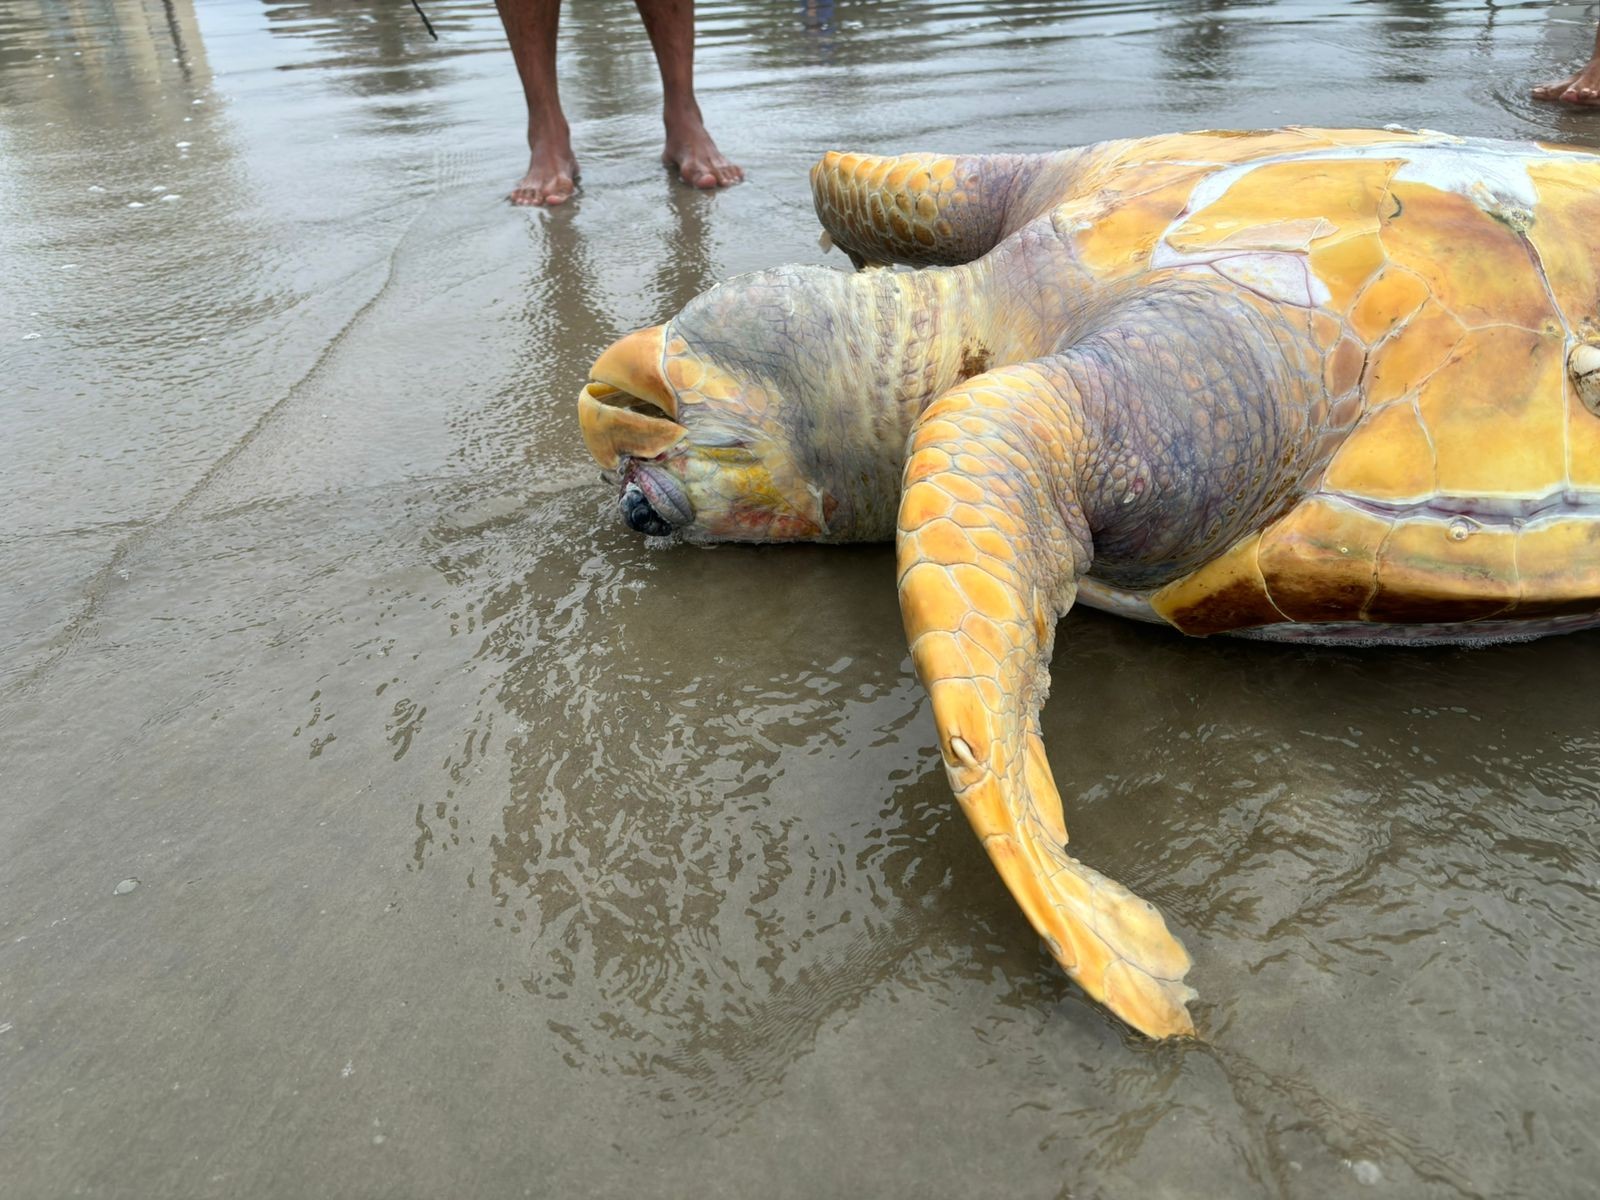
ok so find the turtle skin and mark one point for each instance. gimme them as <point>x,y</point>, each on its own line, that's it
<point>1299,384</point>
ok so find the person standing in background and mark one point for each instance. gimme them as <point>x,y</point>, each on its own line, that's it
<point>552,169</point>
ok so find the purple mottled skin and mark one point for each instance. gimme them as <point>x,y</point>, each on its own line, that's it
<point>1192,426</point>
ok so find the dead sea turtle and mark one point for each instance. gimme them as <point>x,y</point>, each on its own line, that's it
<point>1302,384</point>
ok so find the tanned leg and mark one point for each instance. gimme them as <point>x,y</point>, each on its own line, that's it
<point>690,149</point>
<point>552,171</point>
<point>1582,88</point>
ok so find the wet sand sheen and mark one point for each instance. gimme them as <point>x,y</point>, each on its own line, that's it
<point>482,850</point>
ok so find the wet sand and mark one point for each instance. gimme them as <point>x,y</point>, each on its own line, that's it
<point>483,850</point>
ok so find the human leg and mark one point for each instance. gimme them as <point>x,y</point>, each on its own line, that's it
<point>552,170</point>
<point>670,24</point>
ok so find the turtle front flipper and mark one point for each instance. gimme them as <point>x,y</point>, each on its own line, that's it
<point>925,210</point>
<point>991,543</point>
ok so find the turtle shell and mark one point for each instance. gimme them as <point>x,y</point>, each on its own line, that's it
<point>1453,287</point>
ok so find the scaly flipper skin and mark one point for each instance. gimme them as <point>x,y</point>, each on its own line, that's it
<point>919,209</point>
<point>992,541</point>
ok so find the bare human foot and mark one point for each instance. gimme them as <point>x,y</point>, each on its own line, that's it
<point>1582,88</point>
<point>690,150</point>
<point>552,170</point>
<point>692,153</point>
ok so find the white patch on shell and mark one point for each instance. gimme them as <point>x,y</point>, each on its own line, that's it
<point>1281,235</point>
<point>1280,277</point>
<point>1493,175</point>
<point>1584,364</point>
<point>1491,181</point>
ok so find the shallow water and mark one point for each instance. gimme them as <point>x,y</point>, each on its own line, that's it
<point>482,849</point>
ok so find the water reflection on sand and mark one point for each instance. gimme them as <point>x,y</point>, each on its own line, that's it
<point>486,850</point>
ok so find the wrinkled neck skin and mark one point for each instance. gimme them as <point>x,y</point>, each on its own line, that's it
<point>857,366</point>
<point>913,335</point>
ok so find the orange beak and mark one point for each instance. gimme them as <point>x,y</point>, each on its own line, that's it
<point>620,408</point>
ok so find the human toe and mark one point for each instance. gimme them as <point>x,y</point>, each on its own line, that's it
<point>698,174</point>
<point>537,193</point>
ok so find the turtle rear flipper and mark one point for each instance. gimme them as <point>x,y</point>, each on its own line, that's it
<point>990,546</point>
<point>923,210</point>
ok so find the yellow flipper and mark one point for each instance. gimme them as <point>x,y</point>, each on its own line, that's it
<point>920,209</point>
<point>990,548</point>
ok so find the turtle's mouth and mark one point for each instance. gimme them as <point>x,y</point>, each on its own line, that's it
<point>617,424</point>
<point>627,409</point>
<point>628,413</point>
<point>629,437</point>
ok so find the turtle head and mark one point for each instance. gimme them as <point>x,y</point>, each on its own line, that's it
<point>751,415</point>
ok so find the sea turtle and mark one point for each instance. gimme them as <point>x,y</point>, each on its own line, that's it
<point>1302,384</point>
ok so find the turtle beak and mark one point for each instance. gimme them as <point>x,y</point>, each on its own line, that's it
<point>626,409</point>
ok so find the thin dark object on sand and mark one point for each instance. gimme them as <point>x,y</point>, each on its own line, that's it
<point>427,24</point>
